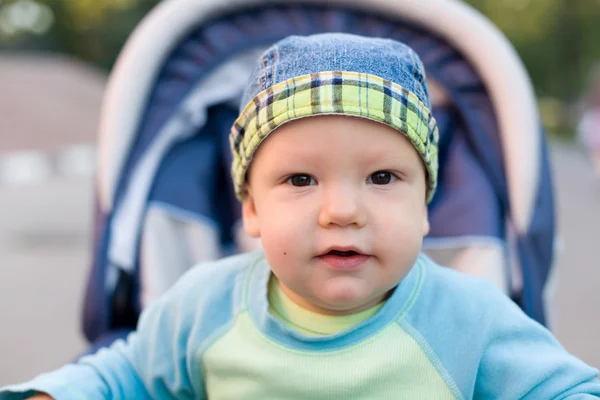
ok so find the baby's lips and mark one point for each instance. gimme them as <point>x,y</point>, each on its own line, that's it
<point>340,262</point>
<point>340,250</point>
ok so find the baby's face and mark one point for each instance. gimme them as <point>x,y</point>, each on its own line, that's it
<point>339,204</point>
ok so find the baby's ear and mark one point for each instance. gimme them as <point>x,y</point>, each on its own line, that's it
<point>425,222</point>
<point>249,216</point>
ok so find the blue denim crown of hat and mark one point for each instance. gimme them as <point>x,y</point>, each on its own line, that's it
<point>335,73</point>
<point>302,55</point>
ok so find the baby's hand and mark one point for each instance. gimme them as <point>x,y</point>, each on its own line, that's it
<point>40,396</point>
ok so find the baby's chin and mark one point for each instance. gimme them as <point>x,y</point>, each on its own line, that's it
<point>343,297</point>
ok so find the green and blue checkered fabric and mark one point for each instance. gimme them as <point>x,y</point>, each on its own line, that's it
<point>334,92</point>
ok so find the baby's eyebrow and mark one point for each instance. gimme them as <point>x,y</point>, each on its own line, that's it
<point>396,160</point>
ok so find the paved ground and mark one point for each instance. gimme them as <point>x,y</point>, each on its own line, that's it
<point>576,303</point>
<point>47,101</point>
<point>44,243</point>
<point>49,108</point>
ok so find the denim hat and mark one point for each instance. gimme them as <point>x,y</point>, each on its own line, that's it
<point>333,73</point>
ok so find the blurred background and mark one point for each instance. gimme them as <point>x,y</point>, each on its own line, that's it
<point>55,56</point>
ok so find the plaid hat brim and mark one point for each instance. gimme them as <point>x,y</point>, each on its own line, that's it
<point>334,92</point>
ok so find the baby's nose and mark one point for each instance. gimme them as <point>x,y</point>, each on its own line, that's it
<point>342,207</point>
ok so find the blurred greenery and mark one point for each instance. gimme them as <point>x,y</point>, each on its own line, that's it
<point>559,43</point>
<point>92,30</point>
<point>558,40</point>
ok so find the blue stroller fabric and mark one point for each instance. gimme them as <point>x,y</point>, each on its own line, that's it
<point>193,175</point>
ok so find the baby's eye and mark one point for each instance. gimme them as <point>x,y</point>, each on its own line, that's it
<point>301,180</point>
<point>381,178</point>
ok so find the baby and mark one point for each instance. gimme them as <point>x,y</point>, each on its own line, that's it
<point>335,160</point>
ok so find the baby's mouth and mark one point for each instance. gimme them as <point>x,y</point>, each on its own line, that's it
<point>344,259</point>
<point>340,253</point>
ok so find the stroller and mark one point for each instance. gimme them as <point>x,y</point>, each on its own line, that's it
<point>165,199</point>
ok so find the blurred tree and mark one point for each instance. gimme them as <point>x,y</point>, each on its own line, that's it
<point>557,39</point>
<point>93,30</point>
<point>554,38</point>
<point>558,43</point>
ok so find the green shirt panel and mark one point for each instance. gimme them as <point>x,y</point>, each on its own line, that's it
<point>246,364</point>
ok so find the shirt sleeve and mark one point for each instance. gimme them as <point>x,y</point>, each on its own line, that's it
<point>522,360</point>
<point>152,363</point>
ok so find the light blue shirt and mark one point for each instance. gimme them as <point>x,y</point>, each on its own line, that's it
<point>441,334</point>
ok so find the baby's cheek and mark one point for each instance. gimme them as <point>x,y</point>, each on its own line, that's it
<point>391,225</point>
<point>399,237</point>
<point>279,239</point>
